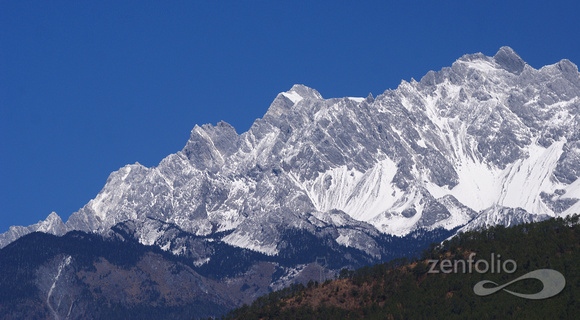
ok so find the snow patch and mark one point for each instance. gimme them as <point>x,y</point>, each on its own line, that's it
<point>343,240</point>
<point>293,96</point>
<point>361,195</point>
<point>200,262</point>
<point>66,261</point>
<point>481,65</point>
<point>518,185</point>
<point>572,190</point>
<point>127,171</point>
<point>421,143</point>
<point>525,179</point>
<point>248,242</point>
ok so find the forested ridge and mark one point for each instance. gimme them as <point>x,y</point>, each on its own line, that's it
<point>405,289</point>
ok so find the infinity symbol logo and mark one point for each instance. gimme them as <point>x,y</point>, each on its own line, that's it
<point>552,280</point>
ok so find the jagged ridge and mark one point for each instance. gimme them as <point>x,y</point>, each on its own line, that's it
<point>487,132</point>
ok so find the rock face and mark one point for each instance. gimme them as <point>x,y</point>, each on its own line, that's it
<point>484,134</point>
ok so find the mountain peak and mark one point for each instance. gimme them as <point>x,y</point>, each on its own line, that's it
<point>300,91</point>
<point>306,92</point>
<point>509,60</point>
<point>208,145</point>
<point>286,100</point>
<point>370,98</point>
<point>52,224</point>
<point>53,216</point>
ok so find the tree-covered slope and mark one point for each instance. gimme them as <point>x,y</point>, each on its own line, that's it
<point>408,290</point>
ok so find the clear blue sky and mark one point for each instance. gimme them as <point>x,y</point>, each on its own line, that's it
<point>89,86</point>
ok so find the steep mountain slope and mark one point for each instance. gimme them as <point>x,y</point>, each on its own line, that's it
<point>82,276</point>
<point>89,276</point>
<point>488,132</point>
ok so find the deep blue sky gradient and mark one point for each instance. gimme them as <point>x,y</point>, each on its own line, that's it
<point>89,86</point>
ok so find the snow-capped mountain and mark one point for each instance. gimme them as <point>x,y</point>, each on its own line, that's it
<point>489,140</point>
<point>52,224</point>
